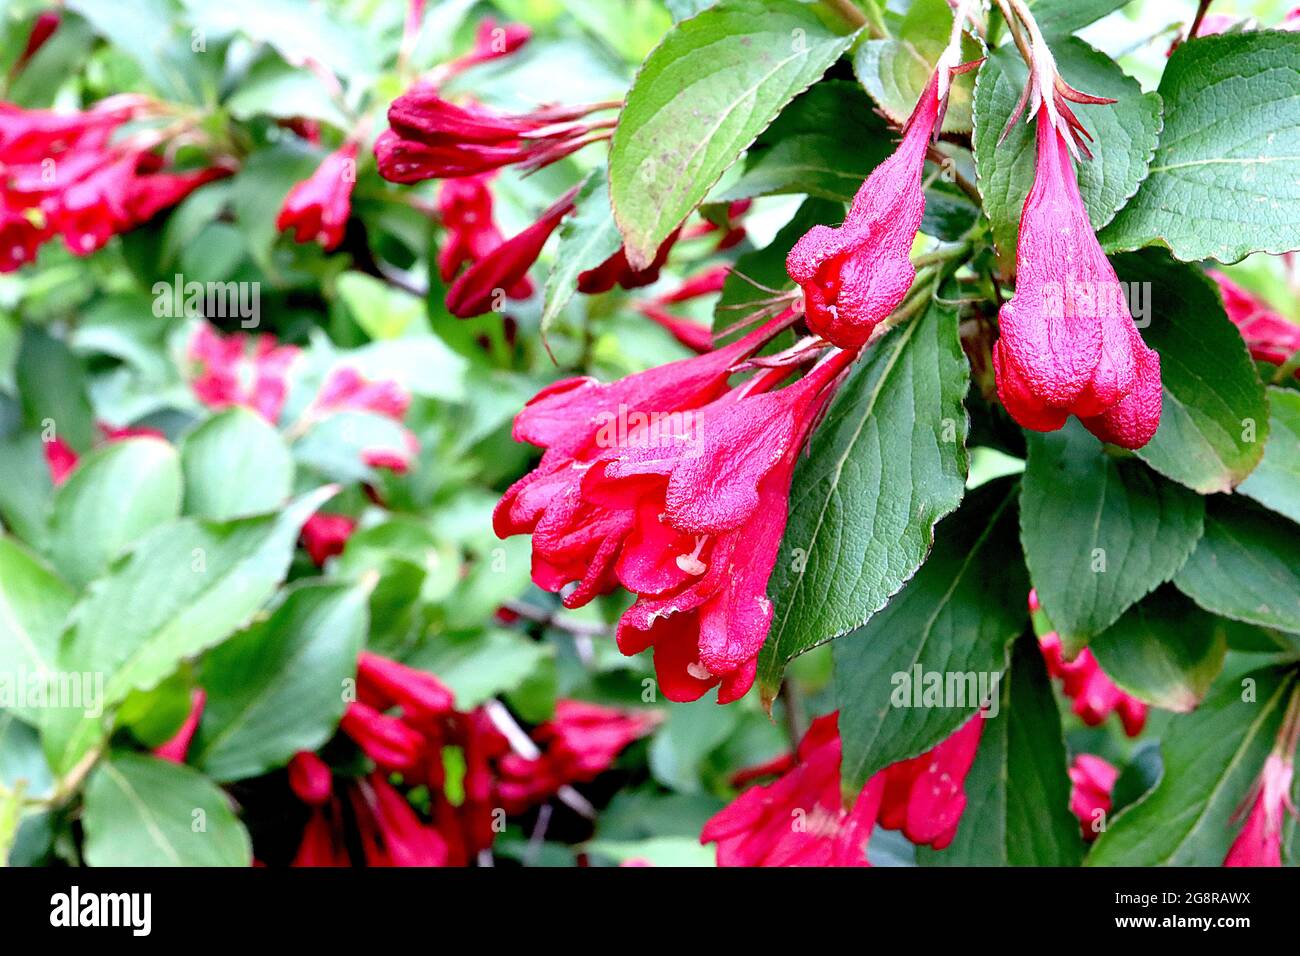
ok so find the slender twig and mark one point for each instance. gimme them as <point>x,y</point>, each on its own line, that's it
<point>1201,9</point>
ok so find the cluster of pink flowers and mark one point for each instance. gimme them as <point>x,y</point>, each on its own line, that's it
<point>405,721</point>
<point>800,819</point>
<point>577,745</point>
<point>1269,337</point>
<point>71,175</point>
<point>674,486</point>
<point>234,370</point>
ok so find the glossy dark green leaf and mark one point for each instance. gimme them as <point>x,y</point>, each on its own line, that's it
<point>887,462</point>
<point>1275,482</point>
<point>1099,532</point>
<point>700,98</point>
<point>957,617</point>
<point>1211,758</point>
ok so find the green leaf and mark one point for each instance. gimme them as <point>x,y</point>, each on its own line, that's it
<point>896,69</point>
<point>1222,182</point>
<point>1124,137</point>
<point>1275,482</point>
<point>765,268</point>
<point>1099,532</point>
<point>681,747</point>
<point>1211,758</point>
<point>186,587</point>
<point>482,665</point>
<point>141,811</point>
<point>588,237</point>
<point>957,616</point>
<point>151,34</point>
<point>1247,567</point>
<point>1164,650</point>
<point>824,144</point>
<point>1017,792</point>
<point>25,488</point>
<point>700,98</point>
<point>888,461</point>
<point>1214,419</point>
<point>278,687</point>
<point>34,603</point>
<point>53,390</point>
<point>118,493</point>
<point>382,311</point>
<point>1061,17</point>
<point>259,190</point>
<point>235,465</point>
<point>274,88</point>
<point>22,761</point>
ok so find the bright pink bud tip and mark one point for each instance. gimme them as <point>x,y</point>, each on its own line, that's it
<point>1260,840</point>
<point>1092,781</point>
<point>310,778</point>
<point>1067,344</point>
<point>176,749</point>
<point>486,283</point>
<point>325,535</point>
<point>1094,694</point>
<point>318,207</point>
<point>385,740</point>
<point>855,274</point>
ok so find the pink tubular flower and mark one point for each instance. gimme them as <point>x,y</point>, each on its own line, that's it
<point>578,744</point>
<point>1269,337</point>
<point>1092,781</point>
<point>323,839</point>
<point>318,207</point>
<point>310,778</point>
<point>346,389</point>
<point>385,683</point>
<point>799,820</point>
<point>483,284</point>
<point>325,535</point>
<point>465,206</point>
<point>855,274</point>
<point>43,28</point>
<point>1094,694</point>
<point>229,375</point>
<point>385,740</point>
<point>925,796</point>
<point>403,839</point>
<point>693,335</point>
<point>432,138</point>
<point>616,270</point>
<point>678,492</point>
<point>1260,840</point>
<point>1067,344</point>
<point>60,459</point>
<point>176,749</point>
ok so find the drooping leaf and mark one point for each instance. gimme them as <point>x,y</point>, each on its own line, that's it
<point>824,144</point>
<point>235,465</point>
<point>1099,532</point>
<point>186,587</point>
<point>700,98</point>
<point>1164,650</point>
<point>1017,792</point>
<point>1246,567</point>
<point>142,811</point>
<point>278,687</point>
<point>588,236</point>
<point>1124,136</point>
<point>1214,416</point>
<point>957,616</point>
<point>1275,482</point>
<point>1211,758</point>
<point>887,462</point>
<point>896,69</point>
<point>117,494</point>
<point>1222,182</point>
<point>34,603</point>
<point>52,386</point>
